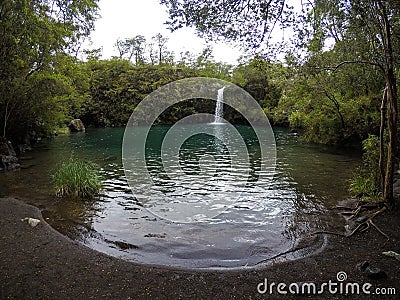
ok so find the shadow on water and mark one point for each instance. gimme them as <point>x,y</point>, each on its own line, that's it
<point>308,179</point>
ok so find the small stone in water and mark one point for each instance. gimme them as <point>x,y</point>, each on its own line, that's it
<point>362,266</point>
<point>375,273</point>
<point>31,221</point>
<point>156,235</point>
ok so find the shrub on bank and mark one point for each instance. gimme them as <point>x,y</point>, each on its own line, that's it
<point>366,180</point>
<point>77,178</point>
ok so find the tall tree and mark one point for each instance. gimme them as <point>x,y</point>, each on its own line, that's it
<point>132,47</point>
<point>371,30</point>
<point>160,41</point>
<point>152,53</point>
<point>122,47</point>
<point>138,44</point>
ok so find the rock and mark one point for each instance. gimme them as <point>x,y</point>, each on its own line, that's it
<point>362,219</point>
<point>362,266</point>
<point>125,246</point>
<point>7,149</point>
<point>31,221</point>
<point>156,235</point>
<point>8,158</point>
<point>371,272</point>
<point>76,125</point>
<point>22,148</point>
<point>375,273</point>
<point>8,163</point>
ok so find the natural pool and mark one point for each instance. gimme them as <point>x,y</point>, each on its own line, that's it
<point>308,179</point>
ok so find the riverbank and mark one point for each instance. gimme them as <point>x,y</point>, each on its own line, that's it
<point>40,263</point>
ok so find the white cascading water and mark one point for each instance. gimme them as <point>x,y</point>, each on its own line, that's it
<point>219,108</point>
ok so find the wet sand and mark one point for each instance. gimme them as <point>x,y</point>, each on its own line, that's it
<point>41,263</point>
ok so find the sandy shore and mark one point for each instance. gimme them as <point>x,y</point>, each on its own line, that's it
<point>40,263</point>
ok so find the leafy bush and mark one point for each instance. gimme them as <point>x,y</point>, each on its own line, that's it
<point>77,178</point>
<point>366,179</point>
<point>362,184</point>
<point>62,130</point>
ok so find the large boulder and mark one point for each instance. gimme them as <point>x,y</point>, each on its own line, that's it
<point>8,158</point>
<point>76,125</point>
<point>9,163</point>
<point>6,148</point>
<point>22,148</point>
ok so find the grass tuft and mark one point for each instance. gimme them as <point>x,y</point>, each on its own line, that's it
<point>63,130</point>
<point>76,178</point>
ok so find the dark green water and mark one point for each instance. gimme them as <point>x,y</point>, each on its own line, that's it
<point>307,180</point>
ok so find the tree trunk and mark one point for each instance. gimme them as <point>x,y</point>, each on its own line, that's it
<point>7,114</point>
<point>381,139</point>
<point>392,128</point>
<point>392,111</point>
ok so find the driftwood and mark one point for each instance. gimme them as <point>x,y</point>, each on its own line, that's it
<point>367,210</point>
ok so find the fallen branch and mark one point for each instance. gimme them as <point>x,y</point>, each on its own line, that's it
<point>366,224</point>
<point>379,230</point>
<point>356,212</point>
<point>378,212</point>
<point>358,228</point>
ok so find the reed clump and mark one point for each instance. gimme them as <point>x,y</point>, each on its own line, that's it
<point>77,178</point>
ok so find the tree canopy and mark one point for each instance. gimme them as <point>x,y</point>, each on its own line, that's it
<point>33,37</point>
<point>251,23</point>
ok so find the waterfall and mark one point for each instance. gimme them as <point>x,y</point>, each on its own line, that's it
<point>219,107</point>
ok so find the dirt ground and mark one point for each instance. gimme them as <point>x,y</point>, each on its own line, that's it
<point>40,263</point>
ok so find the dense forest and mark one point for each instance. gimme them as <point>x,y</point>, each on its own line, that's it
<point>336,82</point>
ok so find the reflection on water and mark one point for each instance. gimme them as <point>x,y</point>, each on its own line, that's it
<point>197,171</point>
<point>307,180</point>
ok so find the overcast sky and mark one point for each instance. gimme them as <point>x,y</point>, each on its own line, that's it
<point>128,18</point>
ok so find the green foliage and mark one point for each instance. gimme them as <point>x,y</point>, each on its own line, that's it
<point>361,184</point>
<point>132,48</point>
<point>206,66</point>
<point>117,86</point>
<point>33,37</point>
<point>76,178</point>
<point>63,130</point>
<point>331,107</point>
<point>263,80</point>
<point>366,180</point>
<point>75,77</point>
